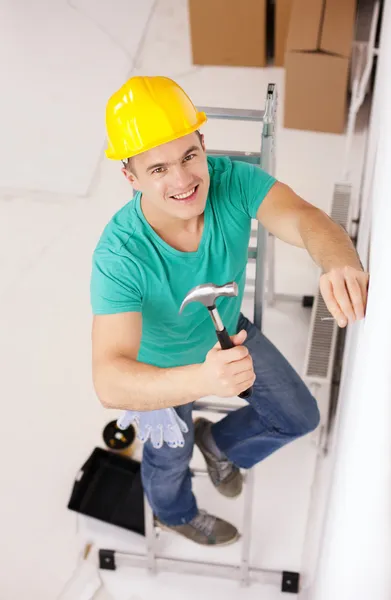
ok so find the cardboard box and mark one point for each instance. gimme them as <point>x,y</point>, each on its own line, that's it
<point>282,14</point>
<point>228,33</point>
<point>319,46</point>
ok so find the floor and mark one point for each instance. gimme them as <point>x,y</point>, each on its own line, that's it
<point>53,419</point>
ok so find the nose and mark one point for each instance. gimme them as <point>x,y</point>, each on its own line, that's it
<point>182,179</point>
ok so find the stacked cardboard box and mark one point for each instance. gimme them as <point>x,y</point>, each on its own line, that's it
<point>228,33</point>
<point>282,14</point>
<point>318,47</point>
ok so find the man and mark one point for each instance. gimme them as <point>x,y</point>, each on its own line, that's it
<point>188,224</point>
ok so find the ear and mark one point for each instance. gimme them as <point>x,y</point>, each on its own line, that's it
<point>130,177</point>
<point>203,142</point>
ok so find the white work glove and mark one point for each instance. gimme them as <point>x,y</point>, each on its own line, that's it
<point>163,425</point>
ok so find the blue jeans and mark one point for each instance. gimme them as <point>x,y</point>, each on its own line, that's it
<point>280,410</point>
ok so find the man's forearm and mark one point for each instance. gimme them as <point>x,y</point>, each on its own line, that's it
<point>328,243</point>
<point>128,384</point>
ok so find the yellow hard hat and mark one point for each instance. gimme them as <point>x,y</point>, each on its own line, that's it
<point>146,112</point>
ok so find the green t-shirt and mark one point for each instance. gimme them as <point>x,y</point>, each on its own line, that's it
<point>133,269</point>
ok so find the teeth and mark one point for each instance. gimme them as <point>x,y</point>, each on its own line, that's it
<point>182,196</point>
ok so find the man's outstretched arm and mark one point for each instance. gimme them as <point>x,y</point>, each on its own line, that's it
<point>344,282</point>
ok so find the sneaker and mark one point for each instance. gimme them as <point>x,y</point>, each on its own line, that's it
<point>225,476</point>
<point>205,529</point>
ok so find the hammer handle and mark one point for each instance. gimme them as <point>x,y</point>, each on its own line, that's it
<point>226,343</point>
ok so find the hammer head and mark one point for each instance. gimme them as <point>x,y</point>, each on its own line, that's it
<point>208,292</point>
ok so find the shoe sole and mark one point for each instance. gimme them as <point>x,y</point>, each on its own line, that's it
<point>204,455</point>
<point>167,528</point>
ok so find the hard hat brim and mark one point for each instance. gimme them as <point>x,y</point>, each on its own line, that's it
<point>201,120</point>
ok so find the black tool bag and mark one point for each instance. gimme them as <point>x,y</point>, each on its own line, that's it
<point>108,487</point>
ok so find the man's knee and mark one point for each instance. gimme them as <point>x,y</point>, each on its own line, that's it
<point>308,418</point>
<point>166,459</point>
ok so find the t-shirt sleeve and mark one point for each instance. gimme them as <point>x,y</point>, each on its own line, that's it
<point>248,186</point>
<point>115,284</point>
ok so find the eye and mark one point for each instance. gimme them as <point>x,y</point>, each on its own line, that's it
<point>158,170</point>
<point>189,157</point>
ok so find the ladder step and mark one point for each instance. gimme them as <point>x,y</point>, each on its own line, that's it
<point>216,406</point>
<point>195,471</point>
<point>253,158</point>
<point>235,114</point>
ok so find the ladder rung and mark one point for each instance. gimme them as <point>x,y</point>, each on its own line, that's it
<point>254,158</point>
<point>213,406</point>
<point>195,471</point>
<point>236,114</point>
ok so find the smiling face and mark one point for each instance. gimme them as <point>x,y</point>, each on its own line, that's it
<point>173,178</point>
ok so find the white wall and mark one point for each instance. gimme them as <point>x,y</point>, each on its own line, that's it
<point>355,555</point>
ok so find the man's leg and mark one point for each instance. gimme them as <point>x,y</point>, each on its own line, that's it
<point>167,485</point>
<point>166,477</point>
<point>280,410</point>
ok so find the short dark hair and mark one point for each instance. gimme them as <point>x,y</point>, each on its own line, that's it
<point>128,163</point>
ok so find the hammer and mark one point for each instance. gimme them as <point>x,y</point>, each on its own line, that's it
<point>207,294</point>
